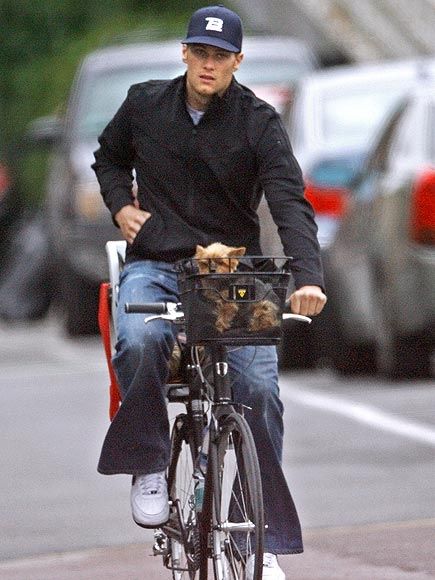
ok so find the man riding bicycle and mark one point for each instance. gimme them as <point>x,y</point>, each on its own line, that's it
<point>203,149</point>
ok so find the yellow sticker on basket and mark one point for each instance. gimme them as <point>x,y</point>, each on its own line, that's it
<point>242,292</point>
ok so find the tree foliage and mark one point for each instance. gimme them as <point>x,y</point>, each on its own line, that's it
<point>44,43</point>
<point>46,39</point>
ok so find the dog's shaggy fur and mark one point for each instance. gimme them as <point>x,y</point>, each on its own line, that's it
<point>223,259</point>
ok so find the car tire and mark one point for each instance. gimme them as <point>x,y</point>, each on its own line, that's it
<point>407,357</point>
<point>354,359</point>
<point>297,349</point>
<point>80,306</point>
<point>347,357</point>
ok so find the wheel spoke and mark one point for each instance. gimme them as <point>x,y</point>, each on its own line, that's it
<point>183,530</point>
<point>238,522</point>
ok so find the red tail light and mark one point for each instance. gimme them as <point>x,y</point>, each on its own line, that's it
<point>329,201</point>
<point>4,179</point>
<point>422,216</point>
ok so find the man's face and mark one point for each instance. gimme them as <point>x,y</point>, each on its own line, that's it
<point>209,69</point>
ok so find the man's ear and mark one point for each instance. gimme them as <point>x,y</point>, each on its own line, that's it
<point>184,52</point>
<point>238,60</point>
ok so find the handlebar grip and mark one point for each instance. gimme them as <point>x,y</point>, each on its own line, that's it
<point>146,308</point>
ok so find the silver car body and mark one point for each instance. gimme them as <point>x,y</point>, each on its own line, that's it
<point>385,277</point>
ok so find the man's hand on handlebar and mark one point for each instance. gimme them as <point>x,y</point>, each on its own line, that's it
<point>130,220</point>
<point>308,301</point>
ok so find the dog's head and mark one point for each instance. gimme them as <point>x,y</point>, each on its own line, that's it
<point>218,258</point>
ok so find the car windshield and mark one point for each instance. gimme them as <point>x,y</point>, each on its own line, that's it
<point>268,72</point>
<point>102,94</point>
<point>352,117</point>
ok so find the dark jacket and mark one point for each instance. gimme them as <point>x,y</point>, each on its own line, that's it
<point>203,183</point>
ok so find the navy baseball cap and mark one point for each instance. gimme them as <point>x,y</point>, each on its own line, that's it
<point>217,26</point>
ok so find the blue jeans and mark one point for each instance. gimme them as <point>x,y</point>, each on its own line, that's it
<point>137,441</point>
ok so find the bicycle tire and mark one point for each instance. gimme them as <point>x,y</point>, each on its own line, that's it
<point>184,544</point>
<point>237,501</point>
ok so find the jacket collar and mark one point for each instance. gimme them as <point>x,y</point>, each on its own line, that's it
<point>216,102</point>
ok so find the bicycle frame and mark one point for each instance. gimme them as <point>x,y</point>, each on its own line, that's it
<point>209,527</point>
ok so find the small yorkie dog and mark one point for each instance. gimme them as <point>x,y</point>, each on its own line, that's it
<point>223,259</point>
<point>218,258</point>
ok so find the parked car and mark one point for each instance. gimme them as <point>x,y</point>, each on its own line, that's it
<point>383,255</point>
<point>334,117</point>
<point>79,223</point>
<point>332,122</point>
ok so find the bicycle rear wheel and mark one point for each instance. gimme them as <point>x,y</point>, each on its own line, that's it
<point>238,518</point>
<point>184,545</point>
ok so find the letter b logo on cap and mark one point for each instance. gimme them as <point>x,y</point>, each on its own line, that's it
<point>214,24</point>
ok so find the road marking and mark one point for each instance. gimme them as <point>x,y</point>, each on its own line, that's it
<point>372,527</point>
<point>363,414</point>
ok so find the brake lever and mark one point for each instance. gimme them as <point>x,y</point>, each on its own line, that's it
<point>173,316</point>
<point>300,317</point>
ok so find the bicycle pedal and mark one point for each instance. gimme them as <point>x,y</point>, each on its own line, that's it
<point>160,547</point>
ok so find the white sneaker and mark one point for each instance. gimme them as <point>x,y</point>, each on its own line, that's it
<point>271,569</point>
<point>149,500</point>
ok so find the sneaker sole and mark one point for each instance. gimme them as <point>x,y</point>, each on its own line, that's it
<point>151,526</point>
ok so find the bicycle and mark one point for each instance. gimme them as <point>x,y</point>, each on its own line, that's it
<point>216,499</point>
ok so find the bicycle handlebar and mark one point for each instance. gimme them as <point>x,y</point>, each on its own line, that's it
<point>147,308</point>
<point>172,311</point>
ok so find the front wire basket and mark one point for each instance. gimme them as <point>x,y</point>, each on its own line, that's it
<point>241,307</point>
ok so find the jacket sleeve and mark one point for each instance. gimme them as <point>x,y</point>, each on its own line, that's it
<point>114,160</point>
<point>281,179</point>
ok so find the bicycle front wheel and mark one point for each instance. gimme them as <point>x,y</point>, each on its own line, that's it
<point>184,545</point>
<point>238,518</point>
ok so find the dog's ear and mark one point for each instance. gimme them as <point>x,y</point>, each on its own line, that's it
<point>199,250</point>
<point>237,251</point>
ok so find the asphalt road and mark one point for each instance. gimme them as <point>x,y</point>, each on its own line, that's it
<point>360,460</point>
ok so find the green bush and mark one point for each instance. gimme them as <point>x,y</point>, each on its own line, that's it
<point>39,59</point>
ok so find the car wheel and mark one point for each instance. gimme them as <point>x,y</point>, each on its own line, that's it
<point>344,355</point>
<point>354,359</point>
<point>297,348</point>
<point>407,357</point>
<point>80,306</point>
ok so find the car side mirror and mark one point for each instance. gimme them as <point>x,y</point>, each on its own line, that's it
<point>44,131</point>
